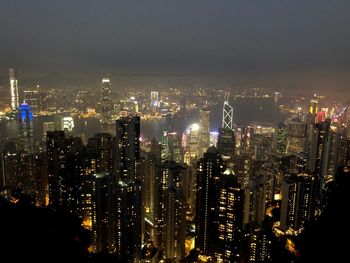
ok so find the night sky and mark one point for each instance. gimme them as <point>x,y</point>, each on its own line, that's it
<point>268,43</point>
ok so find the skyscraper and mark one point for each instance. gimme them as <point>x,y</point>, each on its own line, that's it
<point>129,188</point>
<point>65,171</point>
<point>172,214</point>
<point>227,113</point>
<point>127,148</point>
<point>296,137</point>
<point>25,119</point>
<point>14,90</point>
<point>226,142</point>
<point>230,218</point>
<point>204,130</point>
<point>298,201</point>
<point>191,143</point>
<point>210,168</point>
<point>106,105</point>
<point>34,98</point>
<point>104,212</point>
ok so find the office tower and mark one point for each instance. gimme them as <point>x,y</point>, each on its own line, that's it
<point>25,119</point>
<point>32,97</point>
<point>296,137</point>
<point>129,221</point>
<point>226,142</point>
<point>14,90</point>
<point>171,146</point>
<point>106,105</point>
<point>154,100</point>
<point>209,171</point>
<point>192,148</point>
<point>230,218</point>
<point>282,134</point>
<point>257,201</point>
<point>298,201</point>
<point>151,192</point>
<point>104,212</point>
<point>127,148</point>
<point>263,143</point>
<point>319,151</point>
<point>172,212</point>
<point>65,171</point>
<point>227,113</point>
<point>313,105</point>
<point>129,188</point>
<point>204,130</point>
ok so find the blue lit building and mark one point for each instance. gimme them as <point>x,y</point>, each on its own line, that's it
<point>25,123</point>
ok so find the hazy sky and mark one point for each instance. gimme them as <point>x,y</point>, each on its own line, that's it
<point>252,42</point>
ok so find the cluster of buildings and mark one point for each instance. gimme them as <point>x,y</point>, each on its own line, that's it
<point>225,196</point>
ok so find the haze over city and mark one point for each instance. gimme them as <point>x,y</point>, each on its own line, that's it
<point>174,131</point>
<point>269,44</point>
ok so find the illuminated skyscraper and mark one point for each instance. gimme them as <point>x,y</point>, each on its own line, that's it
<point>129,188</point>
<point>106,105</point>
<point>14,90</point>
<point>35,99</point>
<point>26,137</point>
<point>204,130</point>
<point>154,100</point>
<point>65,171</point>
<point>171,146</point>
<point>127,148</point>
<point>282,134</point>
<point>226,142</point>
<point>230,218</point>
<point>209,171</point>
<point>104,213</point>
<point>298,201</point>
<point>314,105</point>
<point>172,214</point>
<point>192,148</point>
<point>296,137</point>
<point>227,114</point>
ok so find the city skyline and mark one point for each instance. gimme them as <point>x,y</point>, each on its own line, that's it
<point>175,132</point>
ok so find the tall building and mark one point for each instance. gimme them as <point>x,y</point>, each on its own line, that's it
<point>151,191</point>
<point>313,105</point>
<point>226,142</point>
<point>296,137</point>
<point>104,212</point>
<point>127,148</point>
<point>172,212</point>
<point>14,90</point>
<point>25,119</point>
<point>282,134</point>
<point>230,218</point>
<point>154,100</point>
<point>129,188</point>
<point>191,144</point>
<point>227,114</point>
<point>209,171</point>
<point>106,105</point>
<point>298,201</point>
<point>35,99</point>
<point>204,130</point>
<point>171,147</point>
<point>65,171</point>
